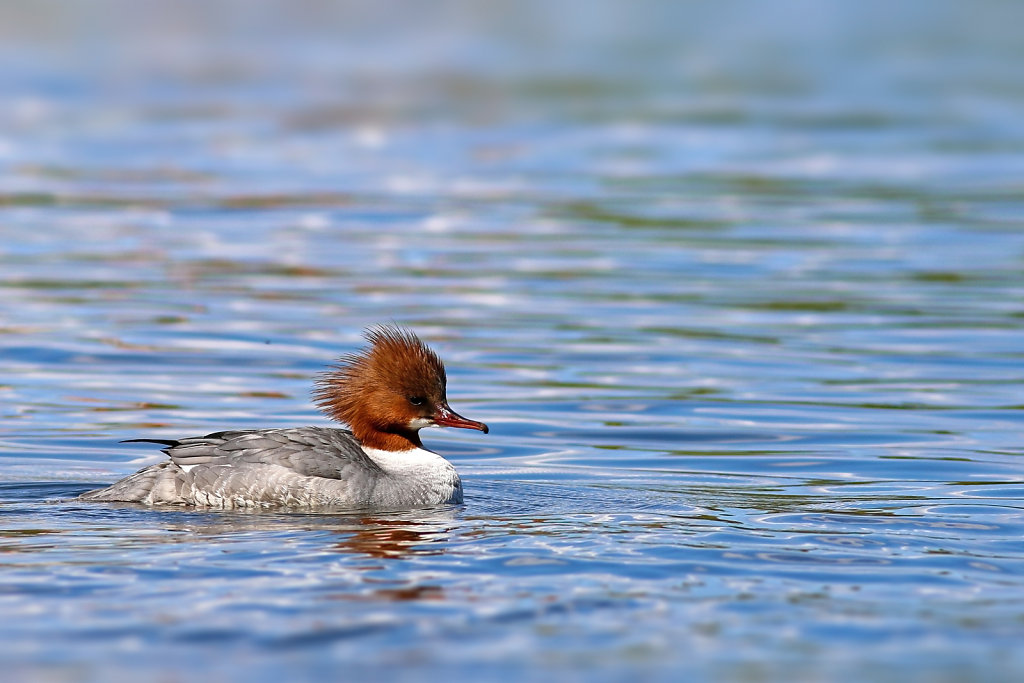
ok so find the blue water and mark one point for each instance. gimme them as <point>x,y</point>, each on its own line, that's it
<point>739,289</point>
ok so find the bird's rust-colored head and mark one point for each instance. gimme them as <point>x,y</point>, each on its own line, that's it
<point>388,391</point>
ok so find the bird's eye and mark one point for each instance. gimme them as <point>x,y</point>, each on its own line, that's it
<point>417,400</point>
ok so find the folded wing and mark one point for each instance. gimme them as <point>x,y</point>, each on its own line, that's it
<point>307,451</point>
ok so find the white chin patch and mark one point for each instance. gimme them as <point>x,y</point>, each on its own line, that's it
<point>420,423</point>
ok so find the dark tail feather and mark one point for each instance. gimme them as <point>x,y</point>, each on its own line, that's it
<point>163,442</point>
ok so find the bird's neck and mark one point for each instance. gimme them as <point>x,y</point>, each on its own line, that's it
<point>379,440</point>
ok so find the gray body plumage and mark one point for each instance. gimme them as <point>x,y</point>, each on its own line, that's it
<point>309,467</point>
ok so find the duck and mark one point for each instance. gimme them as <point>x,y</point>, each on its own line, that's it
<point>385,393</point>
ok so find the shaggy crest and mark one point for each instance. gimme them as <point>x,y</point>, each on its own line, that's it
<point>362,386</point>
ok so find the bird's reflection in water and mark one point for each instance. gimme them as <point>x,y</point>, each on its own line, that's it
<point>385,539</point>
<point>390,538</point>
<point>355,553</point>
<point>370,534</point>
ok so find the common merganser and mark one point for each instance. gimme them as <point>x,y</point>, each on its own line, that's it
<point>385,393</point>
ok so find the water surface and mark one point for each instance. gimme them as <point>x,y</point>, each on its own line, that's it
<point>738,289</point>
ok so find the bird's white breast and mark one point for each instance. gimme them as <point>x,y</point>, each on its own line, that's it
<point>403,461</point>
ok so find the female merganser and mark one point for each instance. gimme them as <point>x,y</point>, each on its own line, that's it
<point>386,393</point>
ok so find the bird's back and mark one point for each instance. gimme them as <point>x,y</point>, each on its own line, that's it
<point>304,466</point>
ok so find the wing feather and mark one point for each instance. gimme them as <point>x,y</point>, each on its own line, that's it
<point>307,451</point>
